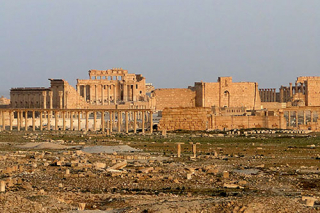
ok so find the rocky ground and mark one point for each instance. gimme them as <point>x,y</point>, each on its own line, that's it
<point>252,171</point>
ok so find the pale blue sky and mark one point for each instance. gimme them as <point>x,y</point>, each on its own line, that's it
<point>173,43</point>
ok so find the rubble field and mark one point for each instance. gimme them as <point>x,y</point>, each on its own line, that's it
<point>235,171</point>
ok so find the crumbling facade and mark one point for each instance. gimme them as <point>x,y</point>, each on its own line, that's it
<point>206,105</point>
<point>113,86</point>
<point>61,95</point>
<point>107,89</point>
<point>225,93</point>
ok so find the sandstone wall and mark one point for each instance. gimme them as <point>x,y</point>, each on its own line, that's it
<point>313,92</point>
<point>243,122</point>
<point>198,118</point>
<point>170,98</point>
<point>72,98</point>
<point>273,105</point>
<point>226,93</point>
<point>189,118</point>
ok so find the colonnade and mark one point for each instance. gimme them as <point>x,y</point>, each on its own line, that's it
<point>96,94</point>
<point>105,120</point>
<point>268,95</point>
<point>306,116</point>
<point>286,93</point>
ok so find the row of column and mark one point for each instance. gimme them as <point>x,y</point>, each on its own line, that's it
<point>286,93</point>
<point>129,93</point>
<point>118,121</point>
<point>296,117</point>
<point>268,95</point>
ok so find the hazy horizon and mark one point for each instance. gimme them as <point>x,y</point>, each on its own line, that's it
<point>172,43</point>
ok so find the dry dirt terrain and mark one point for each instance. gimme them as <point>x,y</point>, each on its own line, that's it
<point>247,171</point>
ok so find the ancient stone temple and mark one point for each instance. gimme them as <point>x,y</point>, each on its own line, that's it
<point>206,105</point>
<point>113,86</point>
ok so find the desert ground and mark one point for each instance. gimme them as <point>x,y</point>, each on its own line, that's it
<point>255,170</point>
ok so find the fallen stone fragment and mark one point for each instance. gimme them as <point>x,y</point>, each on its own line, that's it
<point>226,175</point>
<point>99,165</point>
<point>2,186</point>
<point>309,201</point>
<point>232,186</point>
<point>118,166</point>
<point>81,206</point>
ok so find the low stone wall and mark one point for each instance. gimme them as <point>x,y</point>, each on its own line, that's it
<point>187,118</point>
<point>244,122</point>
<point>198,118</point>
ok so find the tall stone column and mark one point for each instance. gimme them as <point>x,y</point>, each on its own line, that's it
<point>297,119</point>
<point>151,121</point>
<point>108,127</point>
<point>291,92</point>
<point>21,119</point>
<point>94,121</point>
<point>11,120</point>
<point>289,118</point>
<point>281,119</point>
<point>127,122</point>
<point>26,120</point>
<point>281,94</point>
<point>262,95</point>
<point>49,120</point>
<point>63,120</point>
<point>134,93</point>
<point>79,121</point>
<point>87,121</point>
<point>96,94</point>
<point>102,121</point>
<point>270,95</point>
<point>18,121</point>
<point>51,99</point>
<point>56,116</point>
<point>108,93</point>
<point>179,150</point>
<point>115,93</point>
<point>102,94</point>
<point>60,99</point>
<point>119,122</point>
<point>44,95</point>
<point>111,121</point>
<point>90,94</point>
<point>66,100</point>
<point>71,121</point>
<point>41,122</point>
<point>135,122</point>
<point>274,95</point>
<point>125,92</point>
<point>33,121</point>
<point>143,121</point>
